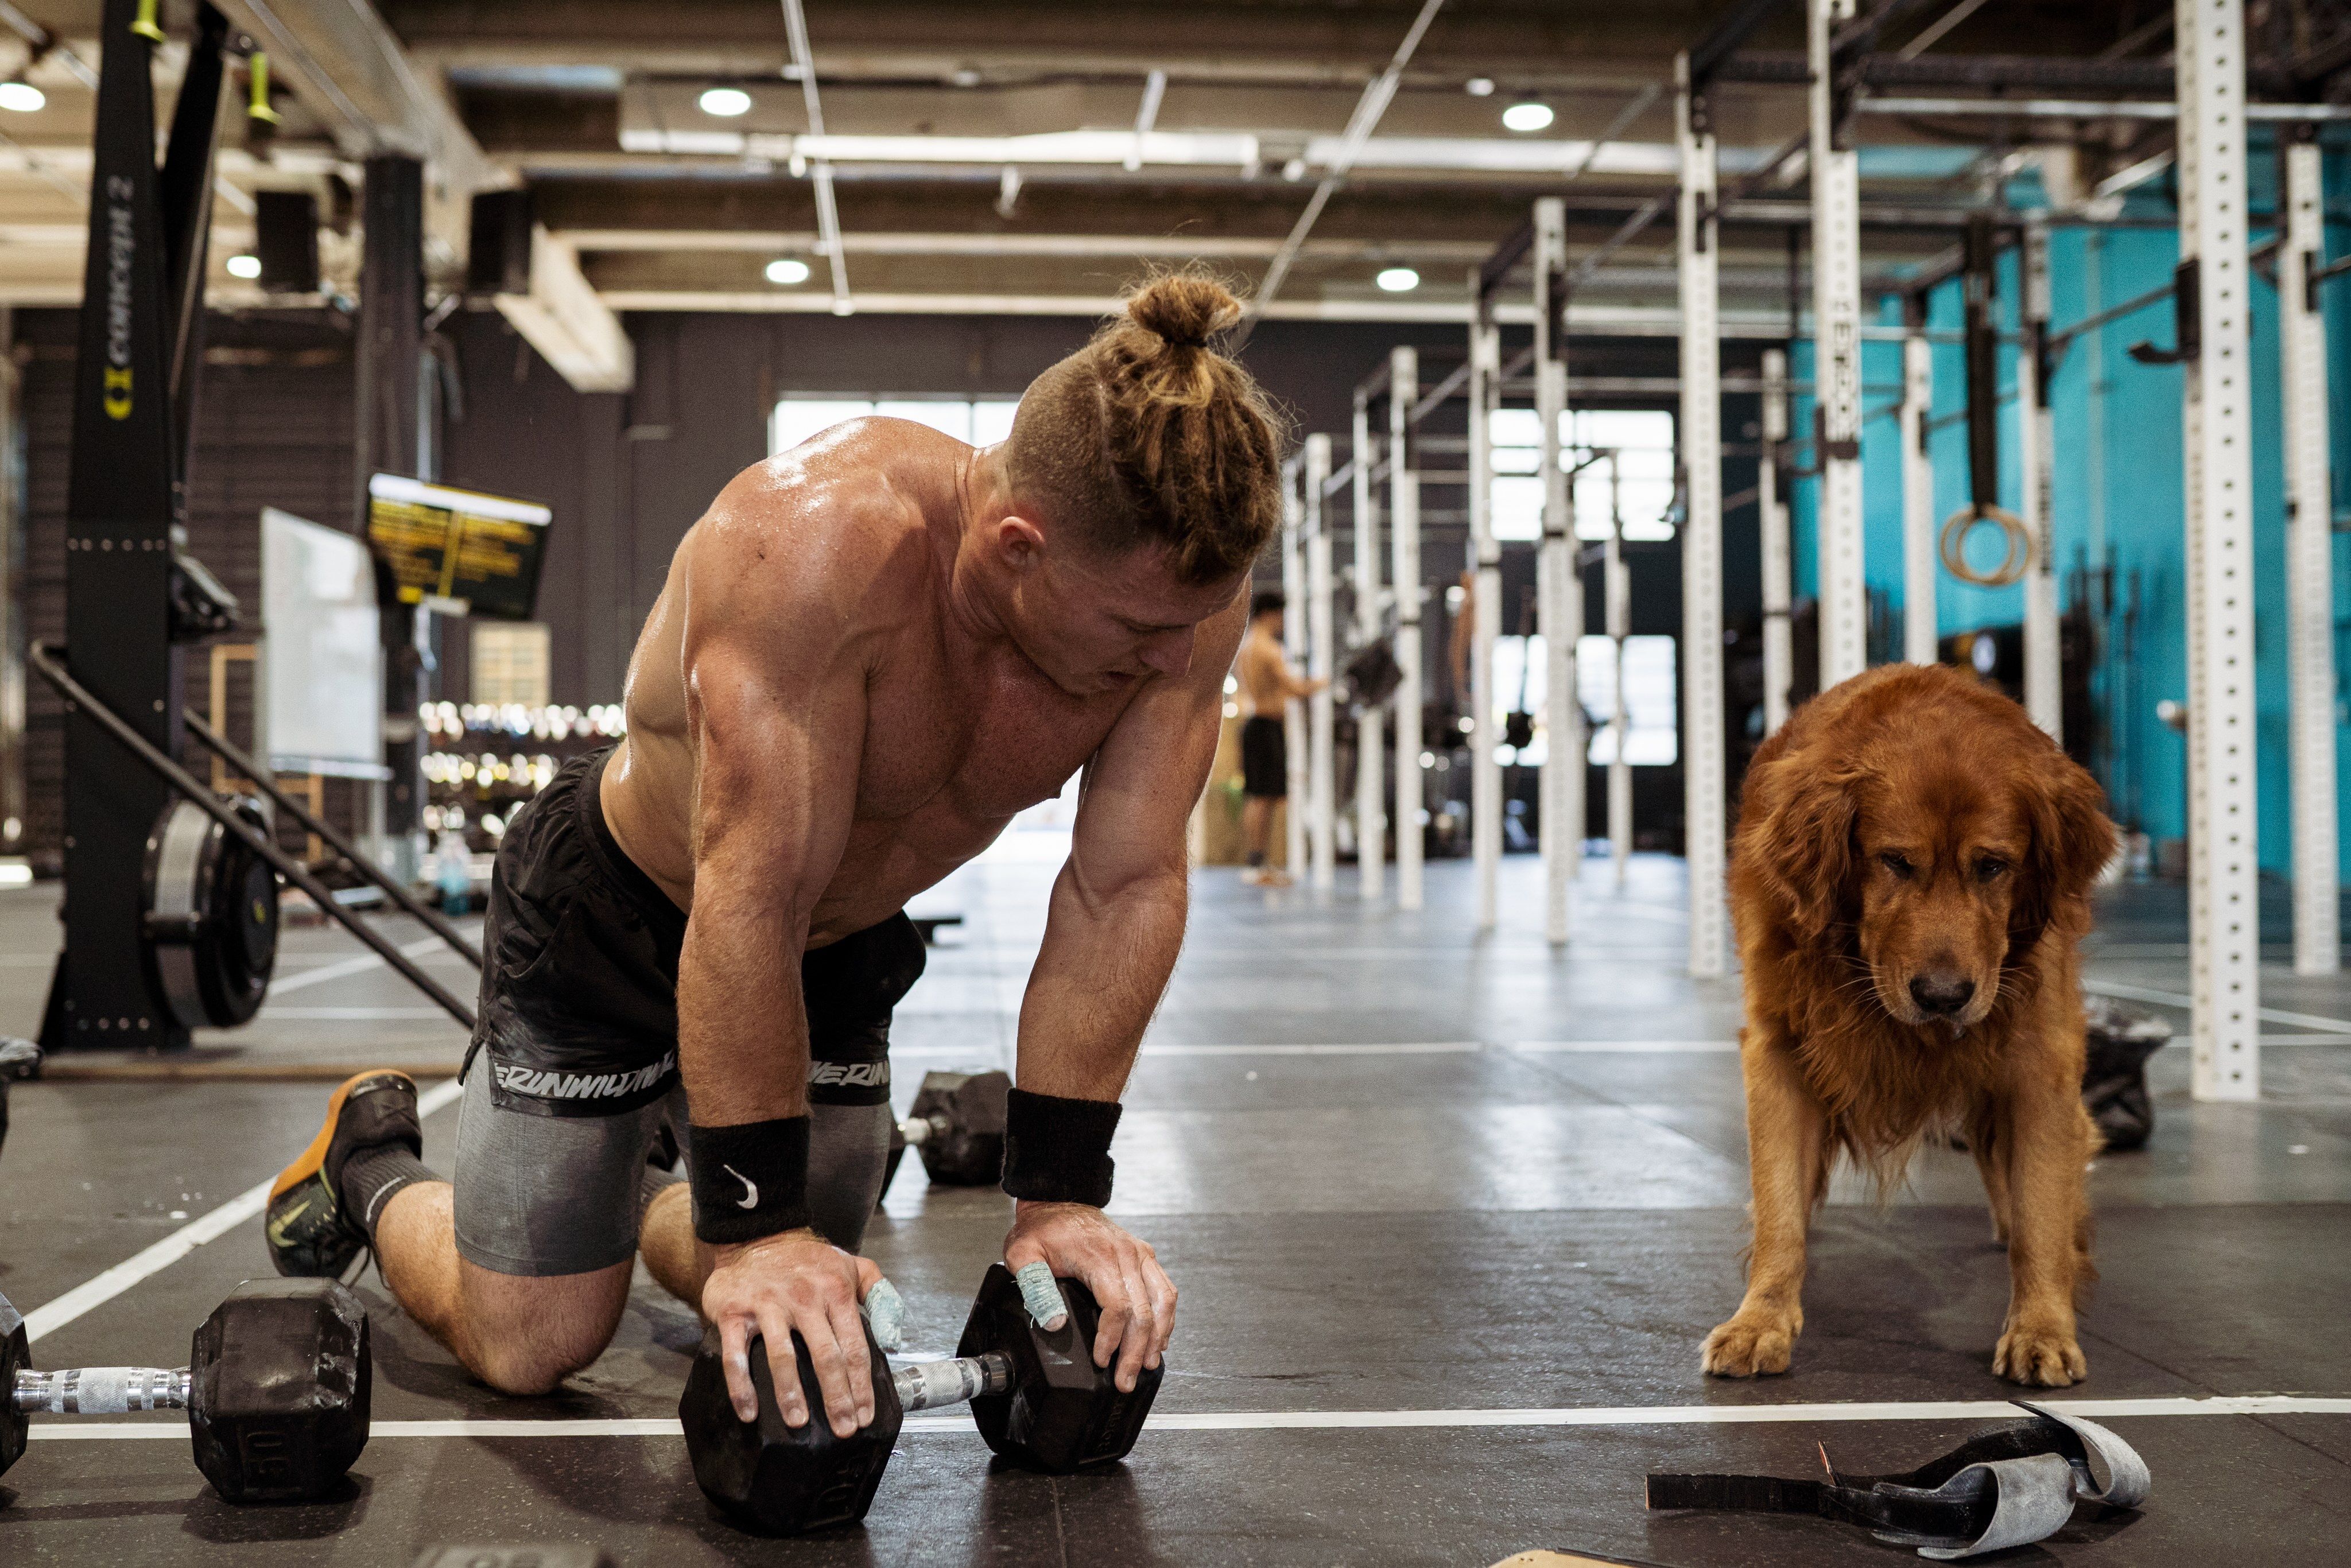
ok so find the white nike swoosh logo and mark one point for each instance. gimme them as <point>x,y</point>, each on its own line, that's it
<point>750,1198</point>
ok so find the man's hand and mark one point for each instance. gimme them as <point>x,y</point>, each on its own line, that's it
<point>795,1282</point>
<point>1138,1298</point>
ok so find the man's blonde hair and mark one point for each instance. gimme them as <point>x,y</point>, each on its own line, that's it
<point>1147,435</point>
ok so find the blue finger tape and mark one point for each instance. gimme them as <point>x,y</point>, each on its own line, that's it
<point>1040,1294</point>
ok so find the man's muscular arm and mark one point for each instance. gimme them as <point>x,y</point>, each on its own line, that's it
<point>1111,932</point>
<point>776,711</point>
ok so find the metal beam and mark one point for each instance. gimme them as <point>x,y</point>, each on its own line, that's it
<point>1360,126</point>
<point>1919,582</point>
<point>1772,519</point>
<point>1371,776</point>
<point>1559,588</point>
<point>2310,574</point>
<point>1297,619</point>
<point>1404,534</point>
<point>1486,555</point>
<point>1323,803</point>
<point>2223,916</point>
<point>2044,686</point>
<point>1706,796</point>
<point>1836,350</point>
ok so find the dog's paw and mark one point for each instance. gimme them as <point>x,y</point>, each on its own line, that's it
<point>2041,1357</point>
<point>1745,1346</point>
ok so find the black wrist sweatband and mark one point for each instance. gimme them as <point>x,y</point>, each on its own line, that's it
<point>748,1181</point>
<point>1058,1150</point>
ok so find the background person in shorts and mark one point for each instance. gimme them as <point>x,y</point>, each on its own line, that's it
<point>1268,684</point>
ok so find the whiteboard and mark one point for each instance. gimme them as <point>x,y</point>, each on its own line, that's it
<point>322,655</point>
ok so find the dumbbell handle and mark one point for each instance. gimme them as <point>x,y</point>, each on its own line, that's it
<point>100,1390</point>
<point>920,1130</point>
<point>927,1384</point>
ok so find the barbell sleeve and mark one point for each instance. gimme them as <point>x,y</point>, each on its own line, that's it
<point>928,1384</point>
<point>100,1390</point>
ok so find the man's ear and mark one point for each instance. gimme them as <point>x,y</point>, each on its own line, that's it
<point>1020,543</point>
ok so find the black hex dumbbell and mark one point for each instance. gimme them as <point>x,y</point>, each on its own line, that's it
<point>275,1390</point>
<point>957,1124</point>
<point>1036,1397</point>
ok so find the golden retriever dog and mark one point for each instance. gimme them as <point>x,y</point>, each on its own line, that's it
<point>1909,879</point>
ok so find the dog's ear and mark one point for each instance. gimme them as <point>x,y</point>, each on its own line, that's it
<point>2072,842</point>
<point>1802,843</point>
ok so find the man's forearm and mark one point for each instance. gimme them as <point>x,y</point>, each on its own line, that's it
<point>742,1022</point>
<point>1098,979</point>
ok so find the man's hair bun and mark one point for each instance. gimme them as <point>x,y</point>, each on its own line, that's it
<point>1183,309</point>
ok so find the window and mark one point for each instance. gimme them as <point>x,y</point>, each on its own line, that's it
<point>1642,440</point>
<point>1651,697</point>
<point>983,421</point>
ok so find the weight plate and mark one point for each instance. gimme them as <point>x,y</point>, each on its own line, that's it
<point>212,916</point>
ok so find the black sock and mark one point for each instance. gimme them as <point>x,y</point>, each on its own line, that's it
<point>1257,859</point>
<point>372,1176</point>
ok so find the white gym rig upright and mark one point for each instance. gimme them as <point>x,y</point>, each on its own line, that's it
<point>1486,604</point>
<point>2310,558</point>
<point>1919,626</point>
<point>1558,587</point>
<point>1705,804</point>
<point>1404,571</point>
<point>1322,781</point>
<point>1778,550</point>
<point>2045,689</point>
<point>2223,923</point>
<point>1371,786</point>
<point>1298,742</point>
<point>1837,357</point>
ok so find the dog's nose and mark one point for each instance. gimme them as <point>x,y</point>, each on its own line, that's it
<point>1940,994</point>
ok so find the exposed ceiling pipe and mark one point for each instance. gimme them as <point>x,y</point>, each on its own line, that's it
<point>1155,87</point>
<point>1360,126</point>
<point>828,216</point>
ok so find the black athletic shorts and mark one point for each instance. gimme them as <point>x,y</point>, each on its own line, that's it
<point>1265,759</point>
<point>579,1001</point>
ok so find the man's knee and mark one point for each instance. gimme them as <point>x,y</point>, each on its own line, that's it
<point>524,1335</point>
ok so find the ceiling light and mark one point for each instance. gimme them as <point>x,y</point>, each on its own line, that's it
<point>963,76</point>
<point>726,102</point>
<point>787,270</point>
<point>1294,171</point>
<point>1397,279</point>
<point>22,95</point>
<point>1528,116</point>
<point>243,266</point>
<point>1480,86</point>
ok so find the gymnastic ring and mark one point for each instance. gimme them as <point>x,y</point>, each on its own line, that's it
<point>2013,564</point>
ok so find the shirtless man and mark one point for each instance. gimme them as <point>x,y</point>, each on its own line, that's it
<point>871,653</point>
<point>1267,686</point>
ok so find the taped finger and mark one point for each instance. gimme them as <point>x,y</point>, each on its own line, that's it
<point>1042,1294</point>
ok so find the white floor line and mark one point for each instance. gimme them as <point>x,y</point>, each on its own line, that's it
<point>1634,1047</point>
<point>358,964</point>
<point>2182,999</point>
<point>51,1316</point>
<point>1358,1420</point>
<point>1435,1048</point>
<point>351,1015</point>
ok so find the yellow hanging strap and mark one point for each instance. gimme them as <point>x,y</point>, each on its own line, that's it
<point>257,106</point>
<point>144,24</point>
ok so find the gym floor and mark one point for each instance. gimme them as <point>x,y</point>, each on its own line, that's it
<point>1449,1217</point>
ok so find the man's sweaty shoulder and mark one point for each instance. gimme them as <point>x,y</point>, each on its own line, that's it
<point>818,562</point>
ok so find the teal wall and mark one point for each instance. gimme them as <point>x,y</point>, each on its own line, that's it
<point>2118,496</point>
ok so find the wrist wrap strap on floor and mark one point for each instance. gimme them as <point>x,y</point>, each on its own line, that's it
<point>2003,1488</point>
